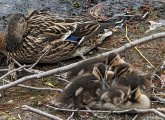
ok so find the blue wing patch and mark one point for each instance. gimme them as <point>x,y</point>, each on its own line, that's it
<point>73,39</point>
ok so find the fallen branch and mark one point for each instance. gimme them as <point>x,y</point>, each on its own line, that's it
<point>41,57</point>
<point>11,71</point>
<point>159,99</point>
<point>31,109</point>
<point>113,112</point>
<point>37,88</point>
<point>68,67</point>
<point>71,116</point>
<point>27,70</point>
<point>4,70</point>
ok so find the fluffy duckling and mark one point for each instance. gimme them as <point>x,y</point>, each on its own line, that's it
<point>120,98</point>
<point>112,60</point>
<point>87,83</point>
<point>136,99</point>
<point>126,75</point>
<point>114,94</point>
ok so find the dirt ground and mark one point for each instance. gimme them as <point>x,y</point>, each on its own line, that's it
<point>12,99</point>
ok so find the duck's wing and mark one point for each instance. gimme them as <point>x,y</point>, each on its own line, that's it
<point>51,27</point>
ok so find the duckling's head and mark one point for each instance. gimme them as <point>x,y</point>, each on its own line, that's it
<point>113,96</point>
<point>134,94</point>
<point>113,59</point>
<point>136,99</point>
<point>99,71</point>
<point>122,69</point>
<point>15,31</point>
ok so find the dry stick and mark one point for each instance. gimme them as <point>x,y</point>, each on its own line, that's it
<point>161,80</point>
<point>27,70</point>
<point>31,109</point>
<point>94,114</point>
<point>37,88</point>
<point>161,100</point>
<point>4,70</point>
<point>134,118</point>
<point>68,67</point>
<point>11,71</point>
<point>140,53</point>
<point>113,112</point>
<point>71,116</point>
<point>41,57</point>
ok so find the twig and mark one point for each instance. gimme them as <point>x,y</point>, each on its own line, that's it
<point>40,88</point>
<point>94,114</point>
<point>37,88</point>
<point>161,80</point>
<point>62,79</point>
<point>114,112</point>
<point>161,100</point>
<point>4,70</point>
<point>27,70</point>
<point>71,116</point>
<point>140,53</point>
<point>134,118</point>
<point>41,57</point>
<point>82,56</point>
<point>11,71</point>
<point>31,109</point>
<point>68,67</point>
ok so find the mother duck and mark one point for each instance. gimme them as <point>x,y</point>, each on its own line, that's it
<point>27,38</point>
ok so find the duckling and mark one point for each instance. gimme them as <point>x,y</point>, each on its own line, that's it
<point>114,94</point>
<point>112,60</point>
<point>136,99</point>
<point>126,75</point>
<point>27,38</point>
<point>87,83</point>
<point>124,98</point>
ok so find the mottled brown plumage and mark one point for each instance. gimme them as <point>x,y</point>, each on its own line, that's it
<point>29,37</point>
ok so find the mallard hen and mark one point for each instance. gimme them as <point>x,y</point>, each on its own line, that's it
<point>58,38</point>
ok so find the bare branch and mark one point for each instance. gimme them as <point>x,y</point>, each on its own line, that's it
<point>37,88</point>
<point>31,109</point>
<point>113,112</point>
<point>160,100</point>
<point>71,116</point>
<point>4,70</point>
<point>11,71</point>
<point>41,57</point>
<point>68,67</point>
<point>41,88</point>
<point>27,70</point>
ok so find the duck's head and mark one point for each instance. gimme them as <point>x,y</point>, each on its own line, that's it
<point>134,94</point>
<point>15,31</point>
<point>99,71</point>
<point>113,59</point>
<point>122,69</point>
<point>113,95</point>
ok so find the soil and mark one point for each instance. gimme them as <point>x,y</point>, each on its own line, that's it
<point>12,99</point>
